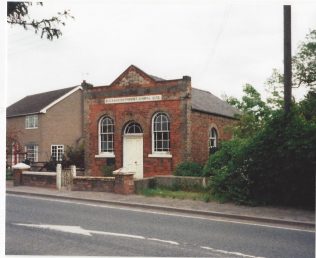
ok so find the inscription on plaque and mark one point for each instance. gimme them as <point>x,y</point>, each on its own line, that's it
<point>133,99</point>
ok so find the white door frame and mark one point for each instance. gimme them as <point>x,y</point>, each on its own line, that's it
<point>139,173</point>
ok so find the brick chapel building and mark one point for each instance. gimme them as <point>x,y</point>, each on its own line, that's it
<point>149,125</point>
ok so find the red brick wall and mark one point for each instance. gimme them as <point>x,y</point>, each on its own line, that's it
<point>189,130</point>
<point>174,103</point>
<point>141,113</point>
<point>39,180</point>
<point>201,126</point>
<point>93,184</point>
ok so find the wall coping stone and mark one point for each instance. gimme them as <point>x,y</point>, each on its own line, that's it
<point>39,173</point>
<point>123,171</point>
<point>21,166</point>
<point>102,178</point>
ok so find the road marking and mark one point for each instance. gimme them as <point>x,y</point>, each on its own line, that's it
<point>229,253</point>
<point>77,230</point>
<point>159,213</point>
<point>164,241</point>
<point>63,228</point>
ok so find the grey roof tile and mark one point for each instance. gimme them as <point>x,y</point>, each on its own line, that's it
<point>35,103</point>
<point>207,102</point>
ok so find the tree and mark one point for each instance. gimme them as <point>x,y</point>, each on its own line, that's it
<point>253,109</point>
<point>304,62</point>
<point>17,14</point>
<point>304,68</point>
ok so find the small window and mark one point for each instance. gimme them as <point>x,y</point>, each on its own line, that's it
<point>32,152</point>
<point>213,139</point>
<point>31,121</point>
<point>57,152</point>
<point>161,133</point>
<point>106,135</point>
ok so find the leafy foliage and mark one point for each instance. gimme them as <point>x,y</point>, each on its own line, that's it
<point>72,156</point>
<point>107,170</point>
<point>188,169</point>
<point>75,156</point>
<point>272,158</point>
<point>274,166</point>
<point>254,111</point>
<point>304,70</point>
<point>17,14</point>
<point>304,62</point>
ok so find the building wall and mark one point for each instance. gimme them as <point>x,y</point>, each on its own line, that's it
<point>201,124</point>
<point>174,102</point>
<point>16,126</point>
<point>61,124</point>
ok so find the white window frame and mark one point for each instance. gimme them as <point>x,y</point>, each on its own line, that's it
<point>35,152</point>
<point>31,122</point>
<point>59,147</point>
<point>213,138</point>
<point>157,153</point>
<point>105,154</point>
<point>133,126</point>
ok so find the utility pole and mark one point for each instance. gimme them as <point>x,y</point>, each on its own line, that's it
<point>287,58</point>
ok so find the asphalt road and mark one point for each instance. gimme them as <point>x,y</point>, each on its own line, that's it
<point>40,226</point>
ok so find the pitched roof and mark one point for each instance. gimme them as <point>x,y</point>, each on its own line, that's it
<point>207,102</point>
<point>33,104</point>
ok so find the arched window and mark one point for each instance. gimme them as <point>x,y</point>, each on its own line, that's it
<point>213,139</point>
<point>106,135</point>
<point>133,128</point>
<point>161,133</point>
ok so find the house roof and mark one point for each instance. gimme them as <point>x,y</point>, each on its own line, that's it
<point>205,101</point>
<point>202,101</point>
<point>38,103</point>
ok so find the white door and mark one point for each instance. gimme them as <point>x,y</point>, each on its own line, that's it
<point>133,154</point>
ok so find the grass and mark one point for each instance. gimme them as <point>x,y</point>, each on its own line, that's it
<point>201,196</point>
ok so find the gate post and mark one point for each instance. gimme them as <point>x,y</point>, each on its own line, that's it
<point>73,170</point>
<point>17,173</point>
<point>124,181</point>
<point>58,176</point>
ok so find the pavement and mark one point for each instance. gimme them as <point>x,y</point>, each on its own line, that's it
<point>263,214</point>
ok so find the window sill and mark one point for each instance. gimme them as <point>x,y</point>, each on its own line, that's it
<point>160,155</point>
<point>31,128</point>
<point>105,155</point>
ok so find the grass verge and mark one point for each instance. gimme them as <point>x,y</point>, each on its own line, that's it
<point>201,196</point>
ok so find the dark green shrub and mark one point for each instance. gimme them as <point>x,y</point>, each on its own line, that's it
<point>52,164</point>
<point>108,170</point>
<point>75,156</point>
<point>188,169</point>
<point>275,166</point>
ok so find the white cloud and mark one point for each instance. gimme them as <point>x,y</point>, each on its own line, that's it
<point>221,45</point>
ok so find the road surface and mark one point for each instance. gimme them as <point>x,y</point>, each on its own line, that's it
<point>47,226</point>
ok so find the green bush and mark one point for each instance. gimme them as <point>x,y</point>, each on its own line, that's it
<point>75,156</point>
<point>108,170</point>
<point>275,166</point>
<point>188,169</point>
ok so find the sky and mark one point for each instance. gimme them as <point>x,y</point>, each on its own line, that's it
<point>221,44</point>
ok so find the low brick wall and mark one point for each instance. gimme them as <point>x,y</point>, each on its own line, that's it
<point>144,183</point>
<point>39,179</point>
<point>96,184</point>
<point>172,182</point>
